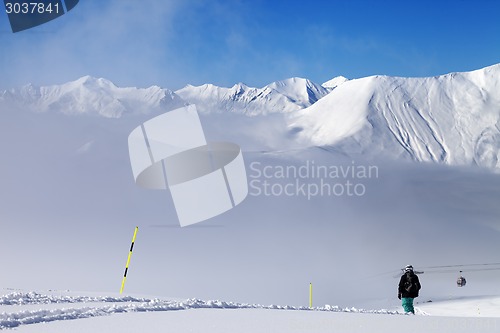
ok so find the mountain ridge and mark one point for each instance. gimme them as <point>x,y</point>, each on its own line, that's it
<point>90,95</point>
<point>452,119</point>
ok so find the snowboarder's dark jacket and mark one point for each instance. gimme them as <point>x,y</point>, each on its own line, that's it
<point>409,285</point>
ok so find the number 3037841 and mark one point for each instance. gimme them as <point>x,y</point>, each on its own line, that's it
<point>31,8</point>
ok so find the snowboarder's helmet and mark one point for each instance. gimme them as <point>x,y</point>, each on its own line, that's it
<point>409,268</point>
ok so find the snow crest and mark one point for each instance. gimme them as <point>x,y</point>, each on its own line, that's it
<point>21,298</point>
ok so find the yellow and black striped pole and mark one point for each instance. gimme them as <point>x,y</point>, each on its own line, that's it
<point>310,295</point>
<point>128,259</point>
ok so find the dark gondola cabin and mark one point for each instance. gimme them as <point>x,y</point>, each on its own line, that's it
<point>461,281</point>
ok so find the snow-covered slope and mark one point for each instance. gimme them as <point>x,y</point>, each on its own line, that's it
<point>64,306</point>
<point>454,118</point>
<point>64,312</point>
<point>89,95</point>
<point>282,96</point>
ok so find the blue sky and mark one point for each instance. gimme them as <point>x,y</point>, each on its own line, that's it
<point>175,42</point>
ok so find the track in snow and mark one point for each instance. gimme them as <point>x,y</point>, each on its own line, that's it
<point>98,306</point>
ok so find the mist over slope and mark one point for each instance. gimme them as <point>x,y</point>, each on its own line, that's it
<point>70,202</point>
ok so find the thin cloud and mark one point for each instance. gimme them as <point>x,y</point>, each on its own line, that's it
<point>124,41</point>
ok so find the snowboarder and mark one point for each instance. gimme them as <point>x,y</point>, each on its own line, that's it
<point>408,289</point>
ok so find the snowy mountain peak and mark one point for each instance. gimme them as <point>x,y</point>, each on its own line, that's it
<point>335,82</point>
<point>241,84</point>
<point>89,78</point>
<point>301,91</point>
<point>90,82</point>
<point>240,87</point>
<point>290,81</point>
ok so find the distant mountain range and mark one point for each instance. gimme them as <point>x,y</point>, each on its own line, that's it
<point>99,96</point>
<point>452,119</point>
<point>89,95</point>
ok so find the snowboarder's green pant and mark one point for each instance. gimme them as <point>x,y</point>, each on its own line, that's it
<point>408,304</point>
